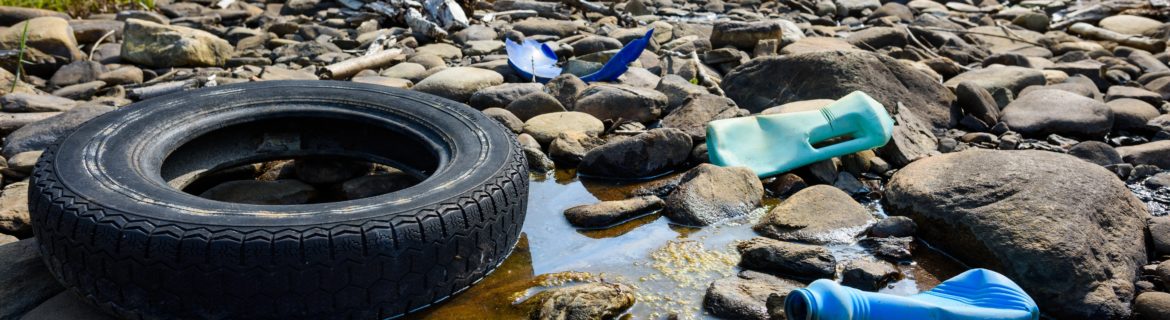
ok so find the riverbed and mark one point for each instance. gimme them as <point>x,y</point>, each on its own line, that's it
<point>669,266</point>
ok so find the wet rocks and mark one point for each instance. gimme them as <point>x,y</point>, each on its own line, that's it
<point>893,227</point>
<point>1016,212</point>
<point>802,261</point>
<point>745,296</point>
<point>832,75</point>
<point>459,83</point>
<point>868,275</point>
<point>279,192</point>
<point>895,248</point>
<point>546,127</point>
<point>159,45</point>
<point>818,214</point>
<point>707,194</point>
<point>621,102</point>
<point>649,154</point>
<point>1045,111</point>
<point>595,300</point>
<point>608,213</point>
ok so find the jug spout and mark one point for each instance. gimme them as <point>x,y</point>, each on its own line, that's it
<point>975,294</point>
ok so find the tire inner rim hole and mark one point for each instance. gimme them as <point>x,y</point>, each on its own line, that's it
<point>300,160</point>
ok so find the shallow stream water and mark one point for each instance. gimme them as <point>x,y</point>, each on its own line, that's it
<point>669,266</point>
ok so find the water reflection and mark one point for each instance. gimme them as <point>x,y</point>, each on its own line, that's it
<point>669,266</point>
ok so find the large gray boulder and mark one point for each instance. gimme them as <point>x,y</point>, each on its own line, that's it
<point>770,81</point>
<point>1068,231</point>
<point>159,45</point>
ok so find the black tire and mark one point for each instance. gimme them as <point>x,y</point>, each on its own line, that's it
<point>115,232</point>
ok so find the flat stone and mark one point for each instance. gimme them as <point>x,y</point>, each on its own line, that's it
<point>459,83</point>
<point>607,213</point>
<point>818,214</point>
<point>546,127</point>
<point>1047,111</point>
<point>24,102</point>
<point>802,261</point>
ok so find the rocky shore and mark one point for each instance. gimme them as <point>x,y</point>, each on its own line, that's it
<point>1032,137</point>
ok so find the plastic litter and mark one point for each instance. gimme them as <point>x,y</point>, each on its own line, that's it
<point>776,143</point>
<point>975,294</point>
<point>534,60</point>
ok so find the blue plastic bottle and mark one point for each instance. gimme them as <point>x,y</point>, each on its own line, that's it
<point>776,143</point>
<point>975,294</point>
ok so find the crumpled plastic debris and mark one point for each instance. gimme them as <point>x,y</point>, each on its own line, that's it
<point>975,294</point>
<point>776,143</point>
<point>534,60</point>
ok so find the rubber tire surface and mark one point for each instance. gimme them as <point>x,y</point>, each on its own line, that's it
<point>113,232</point>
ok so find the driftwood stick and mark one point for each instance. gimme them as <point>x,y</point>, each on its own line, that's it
<point>550,10</point>
<point>161,89</point>
<point>625,18</point>
<point>348,68</point>
<point>1144,43</point>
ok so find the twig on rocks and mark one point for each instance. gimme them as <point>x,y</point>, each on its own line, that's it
<point>161,89</point>
<point>1144,43</point>
<point>702,75</point>
<point>919,43</point>
<point>98,43</point>
<point>347,68</point>
<point>624,18</point>
<point>1016,38</point>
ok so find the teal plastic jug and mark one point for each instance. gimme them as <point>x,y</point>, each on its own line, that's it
<point>975,294</point>
<point>776,143</point>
